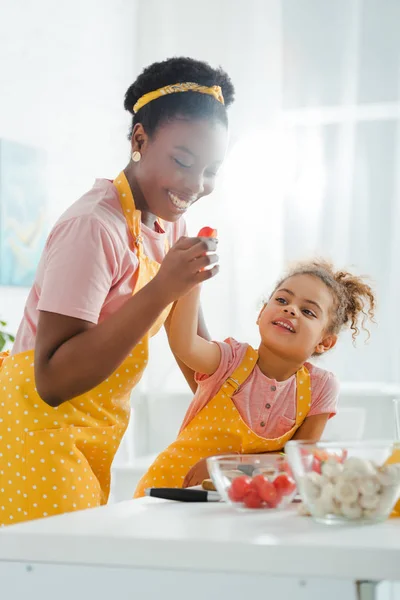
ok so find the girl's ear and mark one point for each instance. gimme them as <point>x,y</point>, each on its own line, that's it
<point>327,343</point>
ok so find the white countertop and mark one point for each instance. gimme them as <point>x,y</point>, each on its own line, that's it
<point>157,534</point>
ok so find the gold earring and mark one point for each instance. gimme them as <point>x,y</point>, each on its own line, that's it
<point>136,156</point>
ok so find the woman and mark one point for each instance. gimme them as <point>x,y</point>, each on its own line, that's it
<point>100,294</point>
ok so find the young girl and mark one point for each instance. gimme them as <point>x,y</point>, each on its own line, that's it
<point>105,284</point>
<point>252,401</point>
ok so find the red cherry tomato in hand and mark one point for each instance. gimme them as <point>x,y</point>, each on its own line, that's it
<point>207,232</point>
<point>239,488</point>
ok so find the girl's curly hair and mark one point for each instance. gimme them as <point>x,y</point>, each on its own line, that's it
<point>354,299</point>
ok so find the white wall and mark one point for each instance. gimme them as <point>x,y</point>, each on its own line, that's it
<point>244,39</point>
<point>324,183</point>
<point>64,69</point>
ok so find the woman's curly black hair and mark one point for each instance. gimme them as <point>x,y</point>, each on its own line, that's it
<point>188,105</point>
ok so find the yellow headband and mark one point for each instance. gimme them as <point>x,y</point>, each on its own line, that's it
<point>214,91</point>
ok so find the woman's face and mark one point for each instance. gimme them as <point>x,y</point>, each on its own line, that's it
<point>179,164</point>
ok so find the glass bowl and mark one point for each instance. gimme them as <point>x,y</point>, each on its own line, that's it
<point>341,482</point>
<point>253,481</point>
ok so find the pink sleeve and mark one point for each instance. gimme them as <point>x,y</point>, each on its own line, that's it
<point>232,353</point>
<point>327,396</point>
<point>180,230</point>
<point>80,267</point>
<point>225,367</point>
<point>183,229</point>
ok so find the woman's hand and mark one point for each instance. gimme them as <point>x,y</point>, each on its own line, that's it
<point>183,267</point>
<point>67,362</point>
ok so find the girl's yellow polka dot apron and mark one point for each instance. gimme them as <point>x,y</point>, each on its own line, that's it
<point>57,460</point>
<point>219,429</point>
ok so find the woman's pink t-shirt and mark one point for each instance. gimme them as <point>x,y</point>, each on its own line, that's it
<point>87,269</point>
<point>267,406</point>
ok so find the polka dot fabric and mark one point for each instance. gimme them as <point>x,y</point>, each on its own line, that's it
<point>219,429</point>
<point>147,267</point>
<point>57,460</point>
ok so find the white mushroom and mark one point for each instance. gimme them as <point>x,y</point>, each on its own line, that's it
<point>351,510</point>
<point>345,491</point>
<point>389,475</point>
<point>312,485</point>
<point>369,502</point>
<point>369,486</point>
<point>370,513</point>
<point>316,478</point>
<point>325,503</point>
<point>337,510</point>
<point>328,492</point>
<point>331,468</point>
<point>387,498</point>
<point>358,467</point>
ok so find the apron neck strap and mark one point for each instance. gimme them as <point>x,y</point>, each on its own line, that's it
<point>303,393</point>
<point>132,216</point>
<point>241,373</point>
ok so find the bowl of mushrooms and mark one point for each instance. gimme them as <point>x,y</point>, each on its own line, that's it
<point>346,482</point>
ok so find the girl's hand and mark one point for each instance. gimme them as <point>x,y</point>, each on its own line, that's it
<point>183,267</point>
<point>197,474</point>
<point>312,428</point>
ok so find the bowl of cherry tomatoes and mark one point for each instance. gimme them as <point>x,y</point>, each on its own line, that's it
<point>253,481</point>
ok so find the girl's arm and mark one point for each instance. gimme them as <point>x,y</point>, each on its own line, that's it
<point>198,354</point>
<point>203,333</point>
<point>312,428</point>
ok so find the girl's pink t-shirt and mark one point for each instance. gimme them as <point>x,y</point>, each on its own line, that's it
<point>87,269</point>
<point>267,406</point>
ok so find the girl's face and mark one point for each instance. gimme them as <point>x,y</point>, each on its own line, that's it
<point>179,164</point>
<point>295,321</point>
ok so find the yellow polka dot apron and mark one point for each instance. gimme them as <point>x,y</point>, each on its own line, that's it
<point>219,429</point>
<point>57,460</point>
<point>395,458</point>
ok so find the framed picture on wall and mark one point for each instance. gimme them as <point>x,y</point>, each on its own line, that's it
<point>23,208</point>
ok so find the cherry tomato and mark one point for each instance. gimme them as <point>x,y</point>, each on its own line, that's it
<point>252,499</point>
<point>317,465</point>
<point>284,485</point>
<point>257,482</point>
<point>207,232</point>
<point>269,494</point>
<point>239,488</point>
